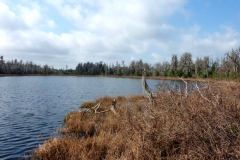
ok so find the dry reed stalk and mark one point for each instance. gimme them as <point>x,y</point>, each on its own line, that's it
<point>178,127</point>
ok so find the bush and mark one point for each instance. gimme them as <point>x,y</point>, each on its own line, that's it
<point>179,73</point>
<point>203,75</point>
<point>233,75</point>
<point>201,125</point>
<point>185,75</point>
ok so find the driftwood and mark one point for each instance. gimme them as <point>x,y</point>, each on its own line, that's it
<point>95,108</point>
<point>147,89</point>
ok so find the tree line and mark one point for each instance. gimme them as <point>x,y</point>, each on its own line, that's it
<point>19,67</point>
<point>227,66</point>
<point>183,66</point>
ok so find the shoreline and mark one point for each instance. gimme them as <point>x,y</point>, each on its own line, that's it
<point>131,77</point>
<point>175,126</point>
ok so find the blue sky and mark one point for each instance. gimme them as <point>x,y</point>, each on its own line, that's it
<point>66,32</point>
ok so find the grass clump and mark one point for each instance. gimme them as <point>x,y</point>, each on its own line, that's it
<point>202,125</point>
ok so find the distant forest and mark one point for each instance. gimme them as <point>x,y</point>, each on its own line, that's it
<point>227,66</point>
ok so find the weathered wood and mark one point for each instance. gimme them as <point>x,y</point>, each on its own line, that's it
<point>186,89</point>
<point>146,88</point>
<point>113,106</point>
<point>95,108</point>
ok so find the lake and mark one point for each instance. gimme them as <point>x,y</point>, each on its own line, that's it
<point>32,107</point>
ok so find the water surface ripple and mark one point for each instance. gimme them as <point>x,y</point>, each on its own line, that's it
<point>32,107</point>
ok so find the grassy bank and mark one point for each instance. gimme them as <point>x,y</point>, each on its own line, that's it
<point>202,125</point>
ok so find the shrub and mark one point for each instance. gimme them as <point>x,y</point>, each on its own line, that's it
<point>200,125</point>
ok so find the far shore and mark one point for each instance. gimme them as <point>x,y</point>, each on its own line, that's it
<point>113,76</point>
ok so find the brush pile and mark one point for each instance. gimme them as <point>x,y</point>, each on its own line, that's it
<point>200,123</point>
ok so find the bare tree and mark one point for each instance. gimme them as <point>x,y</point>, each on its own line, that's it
<point>198,66</point>
<point>132,68</point>
<point>165,67</point>
<point>185,63</point>
<point>235,59</point>
<point>226,66</point>
<point>206,65</point>
<point>157,67</point>
<point>117,68</point>
<point>174,63</point>
<point>1,65</point>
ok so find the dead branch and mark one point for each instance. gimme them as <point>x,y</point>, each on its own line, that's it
<point>235,61</point>
<point>95,108</point>
<point>217,97</point>
<point>186,89</point>
<point>201,93</point>
<point>205,97</point>
<point>146,88</point>
<point>104,111</point>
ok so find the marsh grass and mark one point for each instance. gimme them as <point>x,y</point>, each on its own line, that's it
<point>178,127</point>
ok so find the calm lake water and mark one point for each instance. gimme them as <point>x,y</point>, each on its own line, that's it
<point>32,107</point>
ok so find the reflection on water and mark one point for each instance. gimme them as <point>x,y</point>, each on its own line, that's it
<point>32,108</point>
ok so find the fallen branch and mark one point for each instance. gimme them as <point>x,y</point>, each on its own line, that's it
<point>95,108</point>
<point>104,111</point>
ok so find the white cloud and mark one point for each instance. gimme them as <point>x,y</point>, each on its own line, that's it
<point>31,17</point>
<point>71,10</point>
<point>212,44</point>
<point>156,57</point>
<point>9,20</point>
<point>106,30</point>
<point>51,24</point>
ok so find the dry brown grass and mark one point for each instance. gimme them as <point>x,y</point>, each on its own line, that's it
<point>178,127</point>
